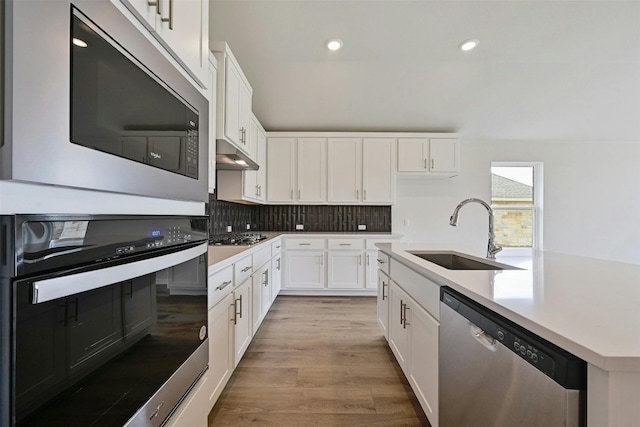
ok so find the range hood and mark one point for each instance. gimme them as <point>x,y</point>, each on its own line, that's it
<point>229,157</point>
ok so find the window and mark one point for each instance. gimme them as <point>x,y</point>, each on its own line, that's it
<point>516,199</point>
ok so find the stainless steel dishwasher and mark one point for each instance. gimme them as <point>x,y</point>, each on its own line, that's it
<point>495,373</point>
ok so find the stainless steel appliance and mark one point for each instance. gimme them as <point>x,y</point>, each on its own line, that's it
<point>495,373</point>
<point>91,335</point>
<point>93,104</point>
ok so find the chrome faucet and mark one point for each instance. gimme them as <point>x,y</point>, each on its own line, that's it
<point>492,248</point>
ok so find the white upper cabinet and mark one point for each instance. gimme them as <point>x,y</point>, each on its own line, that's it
<point>437,156</point>
<point>344,173</point>
<point>281,170</point>
<point>378,170</point>
<point>312,170</point>
<point>182,27</point>
<point>249,185</point>
<point>234,100</point>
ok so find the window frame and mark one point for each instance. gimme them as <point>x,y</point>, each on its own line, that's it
<point>536,207</point>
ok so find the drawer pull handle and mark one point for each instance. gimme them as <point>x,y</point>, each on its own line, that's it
<point>304,244</point>
<point>223,285</point>
<point>345,244</point>
<point>244,270</point>
<point>380,261</point>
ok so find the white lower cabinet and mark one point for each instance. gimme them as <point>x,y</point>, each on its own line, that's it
<point>276,276</point>
<point>242,320</point>
<point>191,411</point>
<point>383,303</point>
<point>260,296</point>
<point>304,269</point>
<point>221,338</point>
<point>413,338</point>
<point>371,267</point>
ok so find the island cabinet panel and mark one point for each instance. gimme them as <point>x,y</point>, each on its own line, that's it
<point>413,332</point>
<point>383,303</point>
<point>242,319</point>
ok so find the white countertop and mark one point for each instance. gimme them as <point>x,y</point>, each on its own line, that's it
<point>589,307</point>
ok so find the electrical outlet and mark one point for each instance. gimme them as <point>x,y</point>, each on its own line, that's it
<point>299,227</point>
<point>248,226</point>
<point>362,227</point>
<point>229,229</point>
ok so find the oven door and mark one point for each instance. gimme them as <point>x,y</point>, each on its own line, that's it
<point>104,354</point>
<point>138,148</point>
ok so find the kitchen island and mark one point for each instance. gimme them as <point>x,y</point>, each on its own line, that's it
<point>586,306</point>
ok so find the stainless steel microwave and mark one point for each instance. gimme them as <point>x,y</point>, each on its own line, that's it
<point>90,102</point>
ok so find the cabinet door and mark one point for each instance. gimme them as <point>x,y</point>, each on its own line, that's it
<point>383,303</point>
<point>281,169</point>
<point>242,319</point>
<point>444,155</point>
<point>221,350</point>
<point>346,270</point>
<point>378,170</point>
<point>261,158</point>
<point>184,29</point>
<point>412,154</point>
<point>232,86</point>
<point>312,170</point>
<point>371,273</point>
<point>276,276</point>
<point>344,170</point>
<point>398,333</point>
<point>244,118</point>
<point>304,269</point>
<point>423,359</point>
<point>266,289</point>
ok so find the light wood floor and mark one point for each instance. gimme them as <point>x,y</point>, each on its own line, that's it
<point>318,361</point>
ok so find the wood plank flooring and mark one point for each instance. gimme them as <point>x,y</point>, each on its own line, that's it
<point>318,361</point>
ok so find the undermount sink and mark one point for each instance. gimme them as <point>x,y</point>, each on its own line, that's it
<point>454,261</point>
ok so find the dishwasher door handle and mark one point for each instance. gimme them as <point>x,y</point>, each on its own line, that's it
<point>483,337</point>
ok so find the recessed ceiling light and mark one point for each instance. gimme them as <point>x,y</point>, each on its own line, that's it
<point>334,44</point>
<point>469,44</point>
<point>79,43</point>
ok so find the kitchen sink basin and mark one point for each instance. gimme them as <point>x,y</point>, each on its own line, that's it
<point>454,261</point>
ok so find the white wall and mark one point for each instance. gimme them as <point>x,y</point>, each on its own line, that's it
<point>591,198</point>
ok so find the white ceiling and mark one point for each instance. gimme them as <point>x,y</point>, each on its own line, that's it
<point>561,70</point>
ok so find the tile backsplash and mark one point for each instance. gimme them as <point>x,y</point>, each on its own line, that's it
<point>286,217</point>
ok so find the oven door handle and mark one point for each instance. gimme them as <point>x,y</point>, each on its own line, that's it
<point>58,287</point>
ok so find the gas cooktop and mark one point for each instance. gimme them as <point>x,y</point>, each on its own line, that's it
<point>248,238</point>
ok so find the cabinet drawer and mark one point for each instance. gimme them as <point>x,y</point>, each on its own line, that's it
<point>357,244</point>
<point>276,247</point>
<point>371,243</point>
<point>383,261</point>
<point>243,269</point>
<point>220,285</point>
<point>425,292</point>
<point>260,257</point>
<point>317,244</point>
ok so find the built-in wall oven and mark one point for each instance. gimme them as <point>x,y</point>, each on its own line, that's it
<point>90,102</point>
<point>103,318</point>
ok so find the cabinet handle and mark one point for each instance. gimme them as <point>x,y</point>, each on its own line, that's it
<point>170,18</point>
<point>367,259</point>
<point>156,4</point>
<point>432,163</point>
<point>241,306</point>
<point>404,309</point>
<point>425,163</point>
<point>278,261</point>
<point>257,190</point>
<point>292,194</point>
<point>357,194</point>
<point>364,193</point>
<point>360,260</point>
<point>304,244</point>
<point>384,285</point>
<point>379,261</point>
<point>266,277</point>
<point>345,244</point>
<point>244,270</point>
<point>223,285</point>
<point>299,194</point>
<point>401,313</point>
